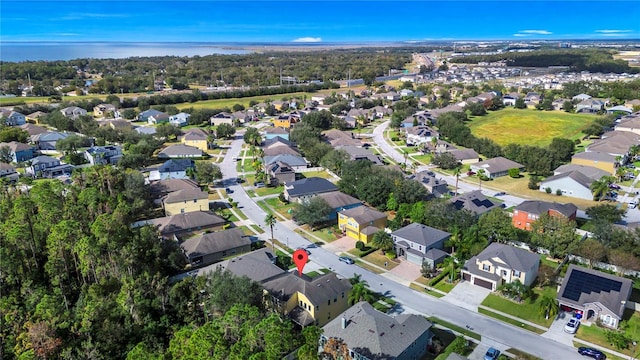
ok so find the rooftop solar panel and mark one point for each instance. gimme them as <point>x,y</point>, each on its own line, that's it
<point>581,282</point>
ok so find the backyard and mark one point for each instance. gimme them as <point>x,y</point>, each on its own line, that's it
<point>528,126</point>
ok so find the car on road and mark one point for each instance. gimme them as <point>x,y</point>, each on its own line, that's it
<point>632,205</point>
<point>305,250</point>
<point>501,193</point>
<point>572,326</point>
<point>492,354</point>
<point>235,159</point>
<point>346,260</point>
<point>229,191</point>
<point>239,180</point>
<point>591,352</point>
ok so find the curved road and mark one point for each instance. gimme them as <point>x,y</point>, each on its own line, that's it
<point>501,334</point>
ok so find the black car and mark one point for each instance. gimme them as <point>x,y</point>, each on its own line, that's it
<point>347,260</point>
<point>591,352</point>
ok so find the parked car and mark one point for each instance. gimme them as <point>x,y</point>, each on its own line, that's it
<point>305,250</point>
<point>492,354</point>
<point>229,191</point>
<point>258,184</point>
<point>614,187</point>
<point>346,260</point>
<point>470,173</point>
<point>632,205</point>
<point>501,193</point>
<point>572,326</point>
<point>239,180</point>
<point>591,352</point>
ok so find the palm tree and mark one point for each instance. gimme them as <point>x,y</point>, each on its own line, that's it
<point>480,175</point>
<point>270,220</point>
<point>599,188</point>
<point>620,171</point>
<point>548,306</point>
<point>360,292</point>
<point>450,263</point>
<point>355,279</point>
<point>456,171</point>
<point>382,240</point>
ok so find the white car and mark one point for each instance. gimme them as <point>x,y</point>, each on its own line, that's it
<point>572,326</point>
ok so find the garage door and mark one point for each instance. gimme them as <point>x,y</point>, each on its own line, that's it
<point>416,259</point>
<point>466,276</point>
<point>485,284</point>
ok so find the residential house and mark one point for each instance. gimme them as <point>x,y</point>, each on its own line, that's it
<point>309,301</point>
<point>152,116</point>
<point>281,149</point>
<point>35,116</point>
<point>173,169</point>
<point>588,171</point>
<point>595,295</point>
<point>527,212</point>
<point>299,190</point>
<point>558,104</point>
<point>573,184</point>
<point>339,201</point>
<point>590,106</point>
<point>160,188</point>
<point>180,151</point>
<point>221,118</point>
<point>179,119</point>
<point>211,247</point>
<point>380,111</point>
<point>370,334</point>
<point>48,167</point>
<point>510,99</point>
<point>633,104</point>
<point>581,97</point>
<point>145,130</point>
<point>501,264</point>
<point>340,138</point>
<point>12,118</point>
<point>103,155</point>
<point>496,167</point>
<point>297,163</point>
<point>183,224</point>
<point>48,140</point>
<point>619,109</point>
<point>117,124</point>
<point>632,124</point>
<point>436,186</point>
<point>418,135</point>
<point>358,153</point>
<point>8,172</point>
<point>33,130</point>
<point>532,99</point>
<point>474,202</point>
<point>183,201</point>
<point>73,112</point>
<point>272,132</point>
<point>104,110</point>
<point>258,266</point>
<point>418,243</point>
<point>600,160</point>
<point>197,138</point>
<point>465,156</point>
<point>361,223</point>
<point>20,152</point>
<point>277,141</point>
<point>285,121</point>
<point>280,173</point>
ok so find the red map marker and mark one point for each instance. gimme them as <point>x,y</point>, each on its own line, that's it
<point>300,258</point>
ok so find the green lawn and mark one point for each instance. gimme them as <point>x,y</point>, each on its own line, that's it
<point>321,174</point>
<point>529,127</point>
<point>267,190</point>
<point>455,328</point>
<point>425,159</point>
<point>527,310</point>
<point>417,287</point>
<point>279,207</point>
<point>511,321</point>
<point>597,335</point>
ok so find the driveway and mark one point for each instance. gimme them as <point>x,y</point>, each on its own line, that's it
<point>407,270</point>
<point>467,295</point>
<point>556,330</point>
<point>343,244</point>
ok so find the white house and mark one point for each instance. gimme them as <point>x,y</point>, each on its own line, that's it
<point>572,184</point>
<point>179,119</point>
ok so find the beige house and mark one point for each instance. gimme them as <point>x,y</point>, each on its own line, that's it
<point>197,138</point>
<point>184,201</point>
<point>501,264</point>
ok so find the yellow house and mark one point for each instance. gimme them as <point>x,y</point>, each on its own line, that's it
<point>360,223</point>
<point>185,201</point>
<point>285,121</point>
<point>309,301</point>
<point>196,138</point>
<point>600,160</point>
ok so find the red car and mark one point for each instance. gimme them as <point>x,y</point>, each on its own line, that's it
<point>470,173</point>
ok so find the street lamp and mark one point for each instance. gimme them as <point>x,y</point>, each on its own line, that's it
<point>633,352</point>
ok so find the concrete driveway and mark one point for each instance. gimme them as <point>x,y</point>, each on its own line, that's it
<point>467,295</point>
<point>407,270</point>
<point>556,330</point>
<point>343,244</point>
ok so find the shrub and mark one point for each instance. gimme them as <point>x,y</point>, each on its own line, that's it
<point>533,182</point>
<point>282,198</point>
<point>440,276</point>
<point>359,245</point>
<point>548,190</point>
<point>394,138</point>
<point>391,255</point>
<point>514,173</point>
<point>618,339</point>
<point>559,192</point>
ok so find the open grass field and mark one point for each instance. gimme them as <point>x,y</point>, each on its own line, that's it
<point>528,126</point>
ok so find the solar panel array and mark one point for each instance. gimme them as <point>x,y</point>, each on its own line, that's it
<point>583,282</point>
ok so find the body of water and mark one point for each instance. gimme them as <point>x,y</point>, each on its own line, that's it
<point>50,51</point>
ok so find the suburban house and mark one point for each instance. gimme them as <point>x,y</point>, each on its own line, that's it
<point>474,202</point>
<point>417,135</point>
<point>510,99</point>
<point>35,116</point>
<point>496,167</point>
<point>184,201</point>
<point>258,266</point>
<point>117,124</point>
<point>160,188</point>
<point>302,189</point>
<point>595,295</point>
<point>103,110</point>
<point>360,223</point>
<point>418,243</point>
<point>370,334</point>
<point>436,186</point>
<point>211,247</point>
<point>574,184</point>
<point>527,212</point>
<point>588,171</point>
<point>295,162</point>
<point>501,264</point>
<point>221,118</point>
<point>280,173</point>
<point>359,153</point>
<point>285,121</point>
<point>12,118</point>
<point>48,140</point>
<point>340,138</point>
<point>339,201</point>
<point>600,160</point>
<point>33,130</point>
<point>73,112</point>
<point>182,224</point>
<point>172,169</point>
<point>103,155</point>
<point>47,167</point>
<point>581,97</point>
<point>9,172</point>
<point>309,301</point>
<point>20,152</point>
<point>631,125</point>
<point>590,106</point>
<point>180,151</point>
<point>197,138</point>
<point>153,116</point>
<point>179,119</point>
<point>465,156</point>
<point>272,132</point>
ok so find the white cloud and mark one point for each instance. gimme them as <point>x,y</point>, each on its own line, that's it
<point>608,31</point>
<point>307,39</point>
<point>521,34</point>
<point>535,32</point>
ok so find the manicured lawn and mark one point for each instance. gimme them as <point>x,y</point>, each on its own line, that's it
<point>257,229</point>
<point>425,159</point>
<point>366,266</point>
<point>529,127</point>
<point>326,234</point>
<point>511,321</point>
<point>527,310</point>
<point>445,286</point>
<point>264,191</point>
<point>222,103</point>
<point>279,207</point>
<point>597,335</point>
<point>417,287</point>
<point>455,328</point>
<point>379,259</point>
<point>321,174</point>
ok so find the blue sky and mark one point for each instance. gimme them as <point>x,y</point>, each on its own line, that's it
<point>316,21</point>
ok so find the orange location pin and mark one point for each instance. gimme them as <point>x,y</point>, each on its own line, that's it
<point>300,258</point>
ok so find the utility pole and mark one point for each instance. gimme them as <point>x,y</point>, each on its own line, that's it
<point>280,76</point>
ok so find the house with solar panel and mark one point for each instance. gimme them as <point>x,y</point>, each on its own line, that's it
<point>594,295</point>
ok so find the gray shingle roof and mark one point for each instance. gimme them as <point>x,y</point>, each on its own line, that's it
<point>170,185</point>
<point>358,153</point>
<point>498,164</point>
<point>185,195</point>
<point>184,222</point>
<point>473,201</point>
<point>543,207</point>
<point>588,171</point>
<point>596,156</point>
<point>515,258</point>
<point>214,242</point>
<point>174,165</point>
<point>337,199</point>
<point>308,186</point>
<point>363,214</point>
<point>257,265</point>
<point>375,333</point>
<point>577,176</point>
<point>318,290</point>
<point>421,234</point>
<point>290,159</point>
<point>180,150</point>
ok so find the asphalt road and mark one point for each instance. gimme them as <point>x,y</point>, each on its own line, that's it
<point>496,332</point>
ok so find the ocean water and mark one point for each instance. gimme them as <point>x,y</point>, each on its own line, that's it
<point>49,51</point>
